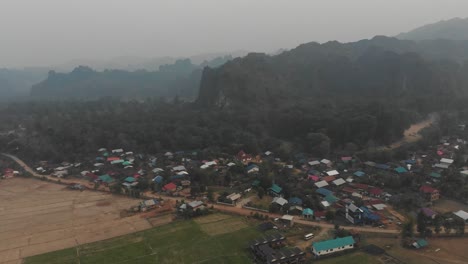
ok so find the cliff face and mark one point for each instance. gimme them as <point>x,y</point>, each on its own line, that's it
<point>372,68</point>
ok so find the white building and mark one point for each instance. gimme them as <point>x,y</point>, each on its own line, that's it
<point>332,246</point>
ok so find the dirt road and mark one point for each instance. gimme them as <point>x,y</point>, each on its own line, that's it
<point>412,133</point>
<point>51,178</point>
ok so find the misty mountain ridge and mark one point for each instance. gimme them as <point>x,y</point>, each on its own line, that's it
<point>178,79</point>
<point>453,29</point>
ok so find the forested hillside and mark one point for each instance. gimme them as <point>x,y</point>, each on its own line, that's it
<point>181,78</point>
<point>381,67</point>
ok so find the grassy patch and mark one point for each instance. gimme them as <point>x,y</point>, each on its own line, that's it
<point>354,258</point>
<point>179,242</point>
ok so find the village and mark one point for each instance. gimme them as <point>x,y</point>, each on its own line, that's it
<point>346,195</point>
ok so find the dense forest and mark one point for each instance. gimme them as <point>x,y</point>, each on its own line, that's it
<point>318,98</point>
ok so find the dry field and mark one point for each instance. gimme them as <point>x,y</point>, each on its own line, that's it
<point>439,251</point>
<point>38,217</point>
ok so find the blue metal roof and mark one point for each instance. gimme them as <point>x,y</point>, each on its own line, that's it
<point>323,191</point>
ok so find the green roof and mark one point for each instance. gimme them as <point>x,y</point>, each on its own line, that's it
<point>126,163</point>
<point>308,211</point>
<point>334,243</point>
<point>435,175</point>
<point>401,170</point>
<point>331,198</point>
<point>129,179</point>
<point>422,243</point>
<point>275,188</point>
<point>117,161</point>
<point>106,178</point>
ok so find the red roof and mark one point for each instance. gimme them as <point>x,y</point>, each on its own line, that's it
<point>427,189</point>
<point>170,187</point>
<point>329,178</point>
<point>320,214</point>
<point>348,190</point>
<point>361,186</point>
<point>243,156</point>
<point>375,191</point>
<point>113,158</point>
<point>91,175</point>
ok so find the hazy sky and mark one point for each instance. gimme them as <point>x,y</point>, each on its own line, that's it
<point>45,32</point>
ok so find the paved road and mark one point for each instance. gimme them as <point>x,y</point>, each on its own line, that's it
<point>223,208</point>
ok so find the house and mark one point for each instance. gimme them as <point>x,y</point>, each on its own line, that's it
<point>130,179</point>
<point>354,214</point>
<point>446,161</point>
<point>321,184</point>
<point>279,201</point>
<point>346,159</point>
<point>326,162</point>
<point>329,178</point>
<point>275,190</point>
<point>401,170</point>
<point>295,201</point>
<point>325,204</point>
<point>359,174</point>
<point>429,213</point>
<point>265,250</point>
<point>332,173</point>
<point>375,192</point>
<point>323,191</point>
<point>106,178</point>
<point>158,179</point>
<point>244,157</point>
<point>462,214</point>
<point>208,164</point>
<point>157,170</point>
<point>117,151</point>
<point>195,205</point>
<point>179,168</point>
<point>331,199</point>
<point>435,175</point>
<point>170,187</point>
<point>185,183</point>
<point>252,168</point>
<point>420,243</point>
<point>332,246</point>
<point>442,166</point>
<point>314,163</point>
<point>295,209</point>
<point>430,193</point>
<point>307,213</point>
<point>288,219</point>
<point>234,197</point>
<point>339,182</point>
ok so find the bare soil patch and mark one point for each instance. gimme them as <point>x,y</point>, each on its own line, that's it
<point>38,217</point>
